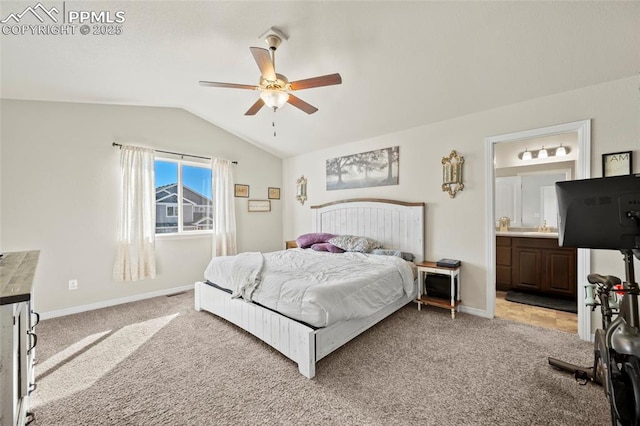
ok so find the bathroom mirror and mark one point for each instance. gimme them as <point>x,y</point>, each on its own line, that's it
<point>528,198</point>
<point>452,173</point>
<point>524,189</point>
<point>301,189</point>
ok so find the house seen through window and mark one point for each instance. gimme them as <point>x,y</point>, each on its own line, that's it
<point>183,197</point>
<point>172,211</point>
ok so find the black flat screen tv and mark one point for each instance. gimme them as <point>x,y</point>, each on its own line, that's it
<point>601,213</point>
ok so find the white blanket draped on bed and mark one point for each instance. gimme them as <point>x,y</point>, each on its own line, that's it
<point>246,274</point>
<point>317,288</point>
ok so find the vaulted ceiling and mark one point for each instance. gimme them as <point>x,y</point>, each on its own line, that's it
<point>403,64</point>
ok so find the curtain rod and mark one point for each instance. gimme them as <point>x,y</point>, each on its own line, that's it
<point>174,153</point>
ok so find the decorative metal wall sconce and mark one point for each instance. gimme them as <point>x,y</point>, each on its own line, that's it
<point>452,173</point>
<point>301,189</point>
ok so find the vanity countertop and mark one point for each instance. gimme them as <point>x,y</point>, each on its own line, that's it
<point>527,234</point>
<point>16,276</point>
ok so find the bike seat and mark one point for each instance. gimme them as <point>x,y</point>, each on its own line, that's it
<point>607,280</point>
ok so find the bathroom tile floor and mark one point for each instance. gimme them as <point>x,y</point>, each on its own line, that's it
<point>543,317</point>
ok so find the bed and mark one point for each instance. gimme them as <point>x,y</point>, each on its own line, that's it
<point>397,225</point>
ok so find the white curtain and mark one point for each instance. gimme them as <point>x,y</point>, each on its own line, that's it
<point>224,208</point>
<point>135,252</point>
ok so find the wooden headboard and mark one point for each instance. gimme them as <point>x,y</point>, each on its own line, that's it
<point>396,224</point>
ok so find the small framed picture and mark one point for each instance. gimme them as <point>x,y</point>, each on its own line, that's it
<point>617,163</point>
<point>274,193</point>
<point>241,190</point>
<point>259,205</point>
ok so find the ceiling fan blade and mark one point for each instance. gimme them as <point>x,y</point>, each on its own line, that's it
<point>263,59</point>
<point>299,103</point>
<point>325,80</point>
<point>255,107</point>
<point>227,85</point>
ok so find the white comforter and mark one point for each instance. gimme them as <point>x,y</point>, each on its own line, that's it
<point>318,288</point>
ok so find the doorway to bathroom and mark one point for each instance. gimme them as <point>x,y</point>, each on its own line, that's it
<point>525,260</point>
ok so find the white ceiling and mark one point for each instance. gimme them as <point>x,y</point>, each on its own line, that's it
<point>403,64</point>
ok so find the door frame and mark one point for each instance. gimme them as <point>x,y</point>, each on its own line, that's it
<point>582,171</point>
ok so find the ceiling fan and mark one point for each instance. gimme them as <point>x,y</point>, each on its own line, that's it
<point>275,89</point>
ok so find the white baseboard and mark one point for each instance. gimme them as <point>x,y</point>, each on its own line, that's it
<point>474,311</point>
<point>135,298</point>
<point>113,302</point>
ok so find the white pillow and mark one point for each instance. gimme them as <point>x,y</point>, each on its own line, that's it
<point>355,243</point>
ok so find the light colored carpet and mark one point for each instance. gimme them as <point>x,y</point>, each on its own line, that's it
<point>159,362</point>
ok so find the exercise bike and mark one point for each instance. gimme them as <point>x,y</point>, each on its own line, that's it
<point>616,364</point>
<point>604,213</point>
<point>599,287</point>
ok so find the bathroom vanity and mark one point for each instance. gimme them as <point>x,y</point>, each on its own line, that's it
<point>533,261</point>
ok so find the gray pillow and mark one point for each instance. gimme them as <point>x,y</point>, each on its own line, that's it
<point>355,243</point>
<point>387,252</point>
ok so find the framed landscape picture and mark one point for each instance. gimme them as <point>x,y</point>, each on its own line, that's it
<point>241,190</point>
<point>617,163</point>
<point>274,193</point>
<point>366,169</point>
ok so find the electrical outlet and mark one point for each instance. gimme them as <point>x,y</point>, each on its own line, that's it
<point>73,284</point>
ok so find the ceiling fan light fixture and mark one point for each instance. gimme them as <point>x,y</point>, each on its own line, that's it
<point>274,87</point>
<point>274,98</point>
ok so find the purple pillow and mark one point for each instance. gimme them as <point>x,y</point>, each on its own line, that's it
<point>307,240</point>
<point>326,247</point>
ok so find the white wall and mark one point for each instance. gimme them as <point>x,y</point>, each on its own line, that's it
<point>1,249</point>
<point>59,186</point>
<point>455,227</point>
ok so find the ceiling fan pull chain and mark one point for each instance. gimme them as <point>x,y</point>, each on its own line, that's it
<point>273,123</point>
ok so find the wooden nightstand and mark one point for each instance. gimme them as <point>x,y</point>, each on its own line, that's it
<point>453,273</point>
<point>290,244</point>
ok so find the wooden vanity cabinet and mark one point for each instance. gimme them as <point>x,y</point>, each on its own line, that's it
<point>503,263</point>
<point>561,266</point>
<point>540,265</point>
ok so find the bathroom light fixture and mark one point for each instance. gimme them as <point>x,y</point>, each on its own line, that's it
<point>543,153</point>
<point>559,151</point>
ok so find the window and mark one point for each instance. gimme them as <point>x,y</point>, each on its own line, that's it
<point>172,211</point>
<point>183,197</point>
